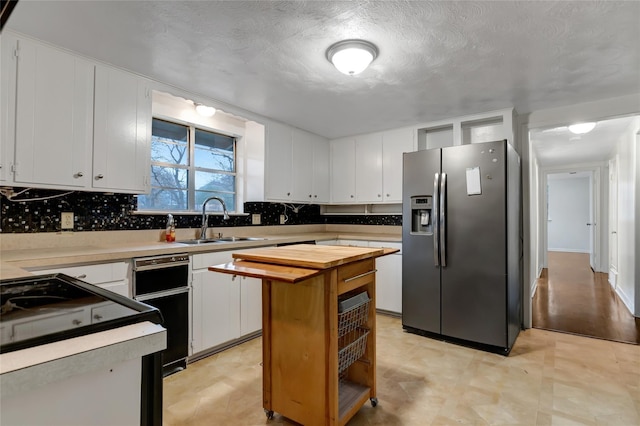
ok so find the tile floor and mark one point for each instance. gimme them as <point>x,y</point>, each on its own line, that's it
<point>549,378</point>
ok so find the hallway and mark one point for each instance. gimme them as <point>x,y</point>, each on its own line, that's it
<point>573,299</point>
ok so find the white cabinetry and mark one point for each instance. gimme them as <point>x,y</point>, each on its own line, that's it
<point>394,144</point>
<point>113,276</point>
<point>297,165</point>
<point>388,276</point>
<point>122,132</point>
<point>56,134</point>
<point>343,171</point>
<point>50,106</point>
<point>369,168</point>
<point>223,307</point>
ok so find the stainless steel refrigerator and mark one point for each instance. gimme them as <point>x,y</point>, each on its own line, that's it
<point>461,244</point>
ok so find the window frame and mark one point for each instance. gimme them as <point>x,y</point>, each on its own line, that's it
<point>191,168</point>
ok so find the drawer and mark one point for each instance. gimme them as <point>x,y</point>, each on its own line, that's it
<point>93,274</point>
<point>38,326</point>
<point>356,274</point>
<point>204,260</point>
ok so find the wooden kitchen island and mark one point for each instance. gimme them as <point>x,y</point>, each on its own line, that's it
<point>319,332</point>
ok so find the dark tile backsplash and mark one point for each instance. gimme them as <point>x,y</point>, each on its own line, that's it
<point>108,212</point>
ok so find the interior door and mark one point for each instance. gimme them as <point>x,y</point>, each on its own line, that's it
<point>613,220</point>
<point>592,224</point>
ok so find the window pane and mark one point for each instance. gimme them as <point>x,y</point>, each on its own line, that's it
<point>214,151</point>
<point>214,206</point>
<point>169,177</point>
<point>215,182</point>
<point>163,199</point>
<point>169,143</point>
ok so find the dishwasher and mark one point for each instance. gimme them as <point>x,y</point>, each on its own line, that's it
<point>163,282</point>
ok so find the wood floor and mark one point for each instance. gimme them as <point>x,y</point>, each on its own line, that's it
<point>549,378</point>
<point>572,298</point>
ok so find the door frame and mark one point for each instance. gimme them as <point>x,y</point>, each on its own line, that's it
<point>596,199</point>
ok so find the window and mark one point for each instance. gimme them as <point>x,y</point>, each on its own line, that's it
<point>188,165</point>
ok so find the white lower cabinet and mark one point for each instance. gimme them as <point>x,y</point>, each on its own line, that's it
<point>388,276</point>
<point>223,307</point>
<point>389,279</point>
<point>113,276</point>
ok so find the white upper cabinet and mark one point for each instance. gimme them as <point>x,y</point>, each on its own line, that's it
<point>320,170</point>
<point>369,168</point>
<point>394,144</point>
<point>56,134</point>
<point>297,165</point>
<point>302,176</point>
<point>343,171</point>
<point>279,162</point>
<point>122,132</point>
<point>52,112</point>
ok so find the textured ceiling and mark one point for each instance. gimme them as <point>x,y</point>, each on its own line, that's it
<point>557,146</point>
<point>437,59</point>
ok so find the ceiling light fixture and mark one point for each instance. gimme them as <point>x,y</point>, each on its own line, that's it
<point>582,128</point>
<point>205,111</point>
<point>351,57</point>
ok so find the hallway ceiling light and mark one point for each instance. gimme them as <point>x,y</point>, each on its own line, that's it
<point>582,128</point>
<point>351,57</point>
<point>205,111</point>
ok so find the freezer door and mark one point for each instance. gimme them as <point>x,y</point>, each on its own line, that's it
<point>420,273</point>
<point>474,279</point>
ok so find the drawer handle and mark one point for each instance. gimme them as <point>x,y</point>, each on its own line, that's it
<point>82,276</point>
<point>76,322</point>
<point>97,317</point>
<point>360,276</point>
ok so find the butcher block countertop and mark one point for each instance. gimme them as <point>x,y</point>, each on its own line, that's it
<point>297,262</point>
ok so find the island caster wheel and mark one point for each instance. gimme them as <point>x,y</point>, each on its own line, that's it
<point>374,402</point>
<point>269,414</point>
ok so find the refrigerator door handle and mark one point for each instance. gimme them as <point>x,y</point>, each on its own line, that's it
<point>436,221</point>
<point>443,219</point>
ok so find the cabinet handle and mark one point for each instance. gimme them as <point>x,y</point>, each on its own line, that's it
<point>100,176</point>
<point>97,317</point>
<point>76,322</point>
<point>309,195</point>
<point>78,175</point>
<point>379,195</point>
<point>352,196</point>
<point>388,195</point>
<point>360,276</point>
<point>82,276</point>
<point>315,196</point>
<point>288,193</point>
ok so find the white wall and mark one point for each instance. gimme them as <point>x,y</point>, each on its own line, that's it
<point>568,213</point>
<point>626,285</point>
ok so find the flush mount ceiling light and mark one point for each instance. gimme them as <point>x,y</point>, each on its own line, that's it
<point>582,128</point>
<point>205,111</point>
<point>351,57</point>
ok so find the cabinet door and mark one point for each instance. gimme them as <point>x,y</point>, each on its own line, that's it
<point>343,171</point>
<point>215,309</point>
<point>278,167</point>
<point>369,168</point>
<point>394,144</point>
<point>302,165</point>
<point>122,132</point>
<point>389,283</point>
<point>250,305</point>
<point>53,116</point>
<point>320,170</point>
<point>8,68</point>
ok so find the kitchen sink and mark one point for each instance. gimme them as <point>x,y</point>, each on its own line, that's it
<point>219,240</point>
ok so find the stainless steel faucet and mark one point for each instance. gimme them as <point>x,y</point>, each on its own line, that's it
<point>203,229</point>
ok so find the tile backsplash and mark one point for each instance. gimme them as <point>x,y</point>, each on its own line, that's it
<point>109,212</point>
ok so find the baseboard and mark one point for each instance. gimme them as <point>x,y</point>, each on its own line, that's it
<point>625,300</point>
<point>613,278</point>
<point>568,250</point>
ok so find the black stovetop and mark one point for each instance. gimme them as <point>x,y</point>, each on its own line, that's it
<point>49,308</point>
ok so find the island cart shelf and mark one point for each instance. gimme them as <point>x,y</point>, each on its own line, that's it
<point>318,316</point>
